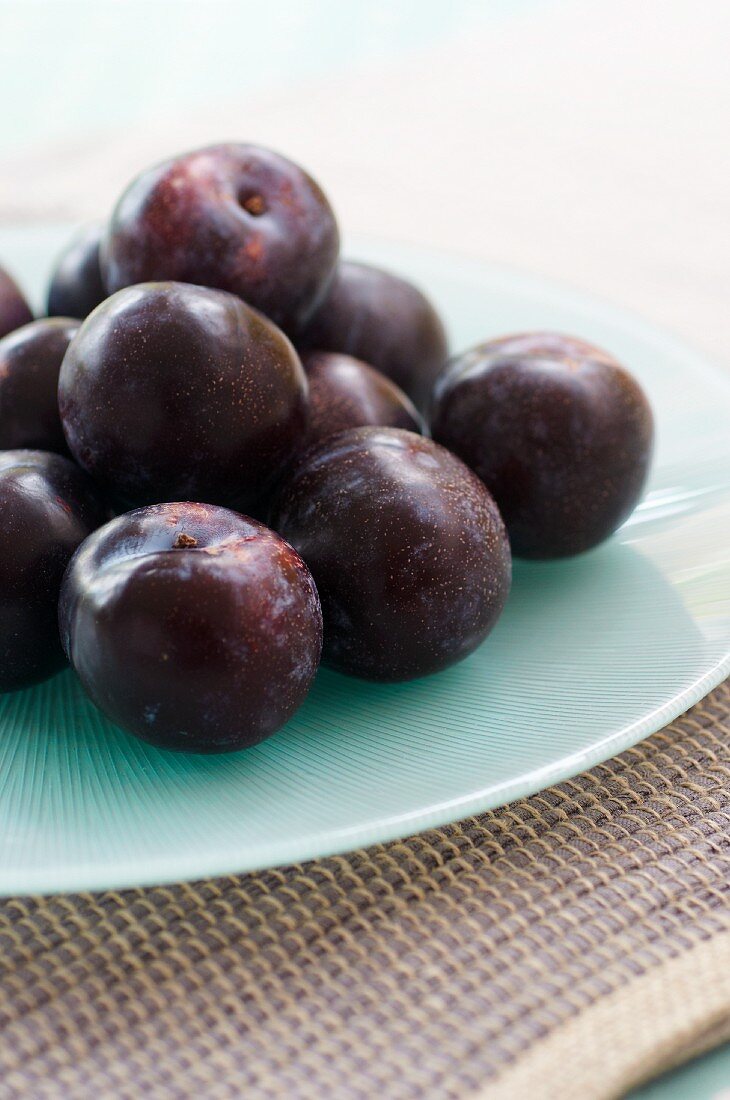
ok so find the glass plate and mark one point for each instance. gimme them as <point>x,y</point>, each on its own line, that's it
<point>591,655</point>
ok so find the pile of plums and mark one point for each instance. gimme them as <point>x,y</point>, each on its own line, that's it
<point>215,463</point>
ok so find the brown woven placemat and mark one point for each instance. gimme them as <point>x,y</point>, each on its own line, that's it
<point>569,945</point>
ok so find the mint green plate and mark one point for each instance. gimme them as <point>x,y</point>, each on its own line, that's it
<point>590,656</point>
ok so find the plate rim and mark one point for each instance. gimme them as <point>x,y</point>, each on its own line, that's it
<point>91,876</point>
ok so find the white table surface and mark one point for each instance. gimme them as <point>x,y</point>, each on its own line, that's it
<point>588,140</point>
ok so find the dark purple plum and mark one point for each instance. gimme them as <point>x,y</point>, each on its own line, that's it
<point>76,285</point>
<point>30,360</point>
<point>48,507</point>
<point>406,547</point>
<point>383,320</point>
<point>191,626</point>
<point>347,393</point>
<point>556,429</point>
<point>177,392</point>
<point>235,217</point>
<point>14,310</point>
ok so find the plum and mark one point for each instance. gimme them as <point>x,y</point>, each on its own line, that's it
<point>14,310</point>
<point>76,285</point>
<point>347,393</point>
<point>48,507</point>
<point>557,430</point>
<point>171,391</point>
<point>235,217</point>
<point>191,626</point>
<point>385,321</point>
<point>30,361</point>
<point>406,547</point>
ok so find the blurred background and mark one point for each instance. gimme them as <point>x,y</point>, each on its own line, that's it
<point>586,140</point>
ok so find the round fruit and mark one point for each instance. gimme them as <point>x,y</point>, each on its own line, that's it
<point>191,626</point>
<point>559,433</point>
<point>385,321</point>
<point>76,285</point>
<point>347,393</point>
<point>30,360</point>
<point>236,217</point>
<point>48,507</point>
<point>406,547</point>
<point>177,392</point>
<point>14,310</point>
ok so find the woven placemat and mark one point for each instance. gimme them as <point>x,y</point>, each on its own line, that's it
<point>569,945</point>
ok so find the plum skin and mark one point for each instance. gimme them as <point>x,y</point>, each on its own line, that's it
<point>192,627</point>
<point>235,217</point>
<point>558,431</point>
<point>30,361</point>
<point>406,547</point>
<point>385,321</point>
<point>76,285</point>
<point>171,391</point>
<point>14,310</point>
<point>48,507</point>
<point>346,393</point>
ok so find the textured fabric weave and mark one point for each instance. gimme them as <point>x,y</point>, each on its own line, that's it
<point>569,945</point>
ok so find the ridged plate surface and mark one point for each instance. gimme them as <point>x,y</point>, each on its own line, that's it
<point>590,656</point>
